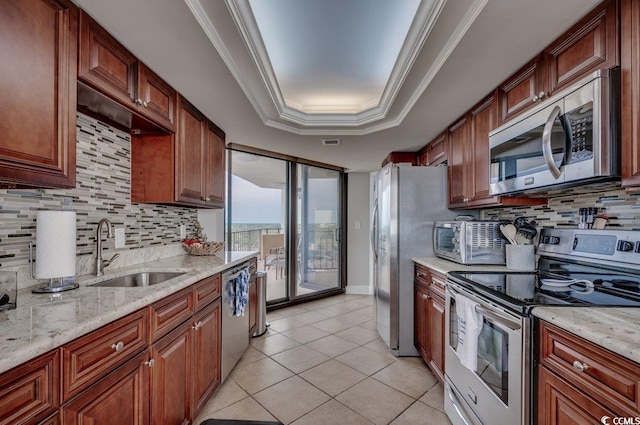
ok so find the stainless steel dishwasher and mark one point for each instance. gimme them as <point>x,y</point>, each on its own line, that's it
<point>235,329</point>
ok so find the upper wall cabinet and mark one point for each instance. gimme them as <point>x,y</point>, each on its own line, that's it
<point>110,68</point>
<point>436,152</point>
<point>630,62</point>
<point>38,100</point>
<point>589,45</point>
<point>183,169</point>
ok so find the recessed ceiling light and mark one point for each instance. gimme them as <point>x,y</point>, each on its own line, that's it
<point>331,142</point>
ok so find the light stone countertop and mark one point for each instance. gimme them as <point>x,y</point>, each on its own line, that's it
<point>42,322</point>
<point>445,266</point>
<point>614,328</point>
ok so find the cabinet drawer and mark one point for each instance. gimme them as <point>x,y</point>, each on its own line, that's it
<point>421,276</point>
<point>206,291</point>
<point>89,358</point>
<point>607,377</point>
<point>437,283</point>
<point>168,313</point>
<point>29,392</point>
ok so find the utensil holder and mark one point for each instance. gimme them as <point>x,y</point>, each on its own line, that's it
<point>520,257</point>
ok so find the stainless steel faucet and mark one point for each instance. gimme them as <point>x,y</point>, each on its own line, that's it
<point>100,263</point>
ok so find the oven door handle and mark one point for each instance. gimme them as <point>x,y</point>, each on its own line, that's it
<point>459,411</point>
<point>506,321</point>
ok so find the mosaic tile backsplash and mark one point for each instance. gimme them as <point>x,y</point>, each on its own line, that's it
<point>102,191</point>
<point>621,206</point>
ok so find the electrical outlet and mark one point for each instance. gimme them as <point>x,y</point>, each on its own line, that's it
<point>119,242</point>
<point>183,232</point>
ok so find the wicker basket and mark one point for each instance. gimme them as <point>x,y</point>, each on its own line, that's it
<point>209,248</point>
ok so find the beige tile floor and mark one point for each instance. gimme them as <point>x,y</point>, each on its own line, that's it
<point>323,363</point>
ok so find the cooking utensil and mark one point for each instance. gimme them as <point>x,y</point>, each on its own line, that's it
<point>519,222</point>
<point>529,232</point>
<point>509,232</point>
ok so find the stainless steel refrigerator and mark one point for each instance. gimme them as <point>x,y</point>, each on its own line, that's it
<point>407,201</point>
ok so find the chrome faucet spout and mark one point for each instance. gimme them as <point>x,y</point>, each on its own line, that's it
<point>100,263</point>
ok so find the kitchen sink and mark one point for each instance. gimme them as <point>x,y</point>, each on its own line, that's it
<point>139,279</point>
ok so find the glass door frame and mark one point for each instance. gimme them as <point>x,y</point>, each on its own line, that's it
<point>291,224</point>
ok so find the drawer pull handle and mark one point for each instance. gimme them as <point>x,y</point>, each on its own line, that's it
<point>118,346</point>
<point>149,363</point>
<point>580,367</point>
<point>196,326</point>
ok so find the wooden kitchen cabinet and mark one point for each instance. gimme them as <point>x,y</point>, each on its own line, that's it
<point>38,74</point>
<point>579,381</point>
<point>400,158</point>
<point>630,64</point>
<point>165,315</point>
<point>91,357</point>
<point>429,318</point>
<point>108,67</point>
<point>459,166</point>
<point>171,377</point>
<point>206,354</point>
<point>30,392</point>
<point>206,291</point>
<point>589,45</point>
<point>436,152</point>
<point>182,169</point>
<point>120,398</point>
<point>51,420</point>
<point>523,89</point>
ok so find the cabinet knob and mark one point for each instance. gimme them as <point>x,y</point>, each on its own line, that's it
<point>149,363</point>
<point>541,95</point>
<point>145,104</point>
<point>138,101</point>
<point>207,199</point>
<point>580,367</point>
<point>118,346</point>
<point>196,326</point>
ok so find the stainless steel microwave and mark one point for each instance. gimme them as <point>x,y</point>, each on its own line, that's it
<point>569,139</point>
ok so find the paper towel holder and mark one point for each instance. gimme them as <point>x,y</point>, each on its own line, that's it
<point>55,284</point>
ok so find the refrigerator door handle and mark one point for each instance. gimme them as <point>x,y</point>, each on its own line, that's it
<point>374,232</point>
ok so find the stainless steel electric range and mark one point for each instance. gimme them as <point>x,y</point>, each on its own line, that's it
<point>575,268</point>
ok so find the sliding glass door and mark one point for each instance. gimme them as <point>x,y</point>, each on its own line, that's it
<point>318,228</point>
<point>292,214</point>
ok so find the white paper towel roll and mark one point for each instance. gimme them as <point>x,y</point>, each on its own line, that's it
<point>55,244</point>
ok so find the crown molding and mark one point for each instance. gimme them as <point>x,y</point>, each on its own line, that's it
<point>295,121</point>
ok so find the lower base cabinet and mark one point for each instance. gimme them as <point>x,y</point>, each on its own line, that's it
<point>435,308</point>
<point>206,354</point>
<point>121,398</point>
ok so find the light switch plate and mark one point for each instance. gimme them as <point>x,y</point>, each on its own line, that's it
<point>183,232</point>
<point>119,242</point>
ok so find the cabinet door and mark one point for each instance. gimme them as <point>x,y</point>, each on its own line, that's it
<point>483,120</point>
<point>420,312</point>
<point>121,398</point>
<point>589,45</point>
<point>561,404</point>
<point>524,89</point>
<point>422,156</point>
<point>51,420</point>
<point>630,61</point>
<point>30,392</point>
<point>214,166</point>
<point>171,377</point>
<point>438,150</point>
<point>435,332</point>
<point>189,154</point>
<point>156,98</point>
<point>105,64</point>
<point>38,74</point>
<point>206,354</point>
<point>460,146</point>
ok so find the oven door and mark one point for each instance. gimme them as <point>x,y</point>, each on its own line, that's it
<point>496,391</point>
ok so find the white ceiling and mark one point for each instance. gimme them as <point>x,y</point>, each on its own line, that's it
<point>472,47</point>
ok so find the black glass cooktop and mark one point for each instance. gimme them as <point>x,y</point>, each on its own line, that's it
<point>523,291</point>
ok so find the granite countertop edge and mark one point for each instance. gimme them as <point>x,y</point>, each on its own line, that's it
<point>94,307</point>
<point>445,266</point>
<point>615,328</point>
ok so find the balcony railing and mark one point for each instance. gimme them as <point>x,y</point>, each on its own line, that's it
<point>322,252</point>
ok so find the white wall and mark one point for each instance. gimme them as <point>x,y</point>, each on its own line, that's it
<point>212,221</point>
<point>358,247</point>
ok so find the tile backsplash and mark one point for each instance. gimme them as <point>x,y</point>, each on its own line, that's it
<point>621,206</point>
<point>102,191</point>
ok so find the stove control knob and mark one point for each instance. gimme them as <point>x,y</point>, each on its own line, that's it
<point>554,240</point>
<point>625,246</point>
<point>544,239</point>
<point>637,249</point>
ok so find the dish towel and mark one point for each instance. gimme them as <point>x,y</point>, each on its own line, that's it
<point>236,293</point>
<point>469,327</point>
